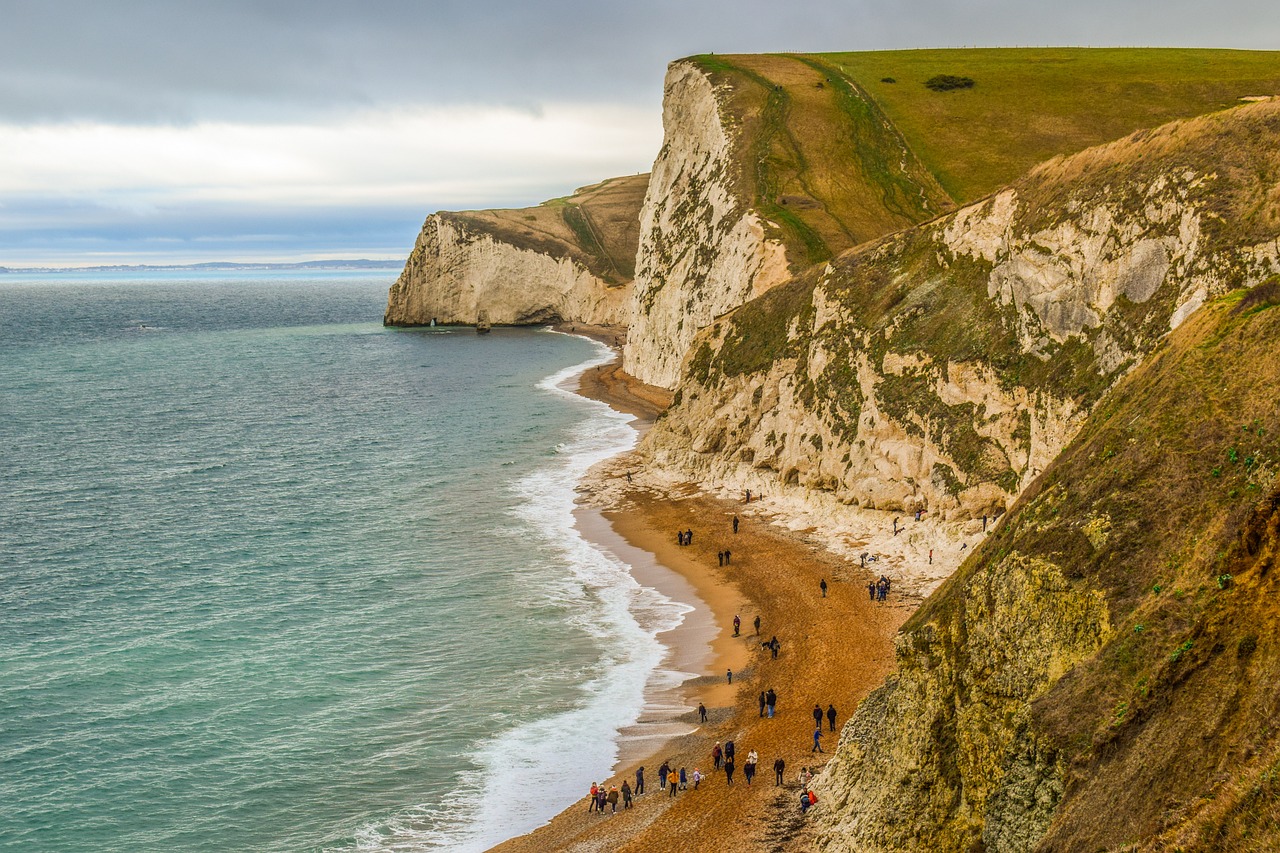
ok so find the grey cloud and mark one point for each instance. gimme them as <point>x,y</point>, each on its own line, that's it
<point>177,61</point>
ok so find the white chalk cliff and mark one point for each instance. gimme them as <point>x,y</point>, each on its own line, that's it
<point>702,250</point>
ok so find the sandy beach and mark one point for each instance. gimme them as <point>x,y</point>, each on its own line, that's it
<point>833,650</point>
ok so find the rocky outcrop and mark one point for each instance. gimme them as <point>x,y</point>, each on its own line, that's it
<point>455,272</point>
<point>702,250</point>
<point>567,260</point>
<point>945,367</point>
<point>1097,670</point>
<point>916,768</point>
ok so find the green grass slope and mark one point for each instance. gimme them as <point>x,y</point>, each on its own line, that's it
<point>834,155</point>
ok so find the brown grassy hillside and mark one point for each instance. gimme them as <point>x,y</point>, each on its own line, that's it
<point>1169,504</point>
<point>598,226</point>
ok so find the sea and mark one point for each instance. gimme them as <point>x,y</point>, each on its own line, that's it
<point>276,578</point>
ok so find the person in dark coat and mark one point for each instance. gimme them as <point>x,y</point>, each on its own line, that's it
<point>817,715</point>
<point>778,767</point>
<point>831,717</point>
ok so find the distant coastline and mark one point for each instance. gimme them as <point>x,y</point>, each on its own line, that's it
<point>358,264</point>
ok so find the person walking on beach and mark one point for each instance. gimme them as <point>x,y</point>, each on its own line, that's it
<point>612,799</point>
<point>823,587</point>
<point>626,795</point>
<point>831,717</point>
<point>697,778</point>
<point>717,754</point>
<point>601,799</point>
<point>778,767</point>
<point>728,750</point>
<point>735,524</point>
<point>737,625</point>
<point>673,781</point>
<point>702,712</point>
<point>688,537</point>
<point>639,780</point>
<point>871,590</point>
<point>817,715</point>
<point>763,701</point>
<point>774,645</point>
<point>728,673</point>
<point>720,557</point>
<point>728,771</point>
<point>817,739</point>
<point>749,767</point>
<point>770,700</point>
<point>684,780</point>
<point>595,792</point>
<point>662,776</point>
<point>757,623</point>
<point>728,557</point>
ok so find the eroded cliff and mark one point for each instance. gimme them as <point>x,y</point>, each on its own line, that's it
<point>567,260</point>
<point>1101,673</point>
<point>946,366</point>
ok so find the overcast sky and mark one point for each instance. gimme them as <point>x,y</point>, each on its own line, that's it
<point>167,130</point>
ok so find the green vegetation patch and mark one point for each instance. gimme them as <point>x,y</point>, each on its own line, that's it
<point>948,82</point>
<point>757,334</point>
<point>1037,103</point>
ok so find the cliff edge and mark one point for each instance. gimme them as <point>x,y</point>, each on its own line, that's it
<point>569,259</point>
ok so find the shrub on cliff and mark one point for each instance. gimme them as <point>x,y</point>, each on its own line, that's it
<point>947,82</point>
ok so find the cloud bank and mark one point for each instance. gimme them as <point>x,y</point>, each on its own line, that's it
<point>334,127</point>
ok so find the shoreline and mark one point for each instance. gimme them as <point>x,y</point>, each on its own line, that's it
<point>833,651</point>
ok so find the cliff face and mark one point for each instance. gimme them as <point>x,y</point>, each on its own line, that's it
<point>702,250</point>
<point>769,164</point>
<point>455,272</point>
<point>570,259</point>
<point>1103,669</point>
<point>946,366</point>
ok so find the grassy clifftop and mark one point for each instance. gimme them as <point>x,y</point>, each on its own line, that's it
<point>598,226</point>
<point>843,148</point>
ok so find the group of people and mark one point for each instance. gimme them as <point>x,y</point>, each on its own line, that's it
<point>768,702</point>
<point>724,758</point>
<point>878,590</point>
<point>672,781</point>
<point>684,537</point>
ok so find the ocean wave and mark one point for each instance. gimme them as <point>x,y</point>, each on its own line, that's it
<point>531,772</point>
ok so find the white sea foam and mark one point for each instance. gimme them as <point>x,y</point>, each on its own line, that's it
<point>537,769</point>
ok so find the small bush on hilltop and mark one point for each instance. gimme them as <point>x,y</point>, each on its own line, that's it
<point>947,82</point>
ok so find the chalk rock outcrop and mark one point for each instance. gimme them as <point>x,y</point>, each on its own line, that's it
<point>568,260</point>
<point>946,366</point>
<point>702,250</point>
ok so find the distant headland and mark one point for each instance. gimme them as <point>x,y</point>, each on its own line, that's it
<point>358,264</point>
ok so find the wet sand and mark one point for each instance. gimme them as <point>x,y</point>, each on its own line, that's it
<point>834,650</point>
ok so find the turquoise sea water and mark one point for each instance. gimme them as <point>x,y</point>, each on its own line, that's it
<point>273,577</point>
